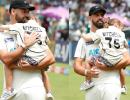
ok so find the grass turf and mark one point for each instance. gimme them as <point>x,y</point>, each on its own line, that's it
<point>66,87</point>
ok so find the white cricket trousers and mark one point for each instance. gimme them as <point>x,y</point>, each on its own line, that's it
<point>31,93</point>
<point>104,92</point>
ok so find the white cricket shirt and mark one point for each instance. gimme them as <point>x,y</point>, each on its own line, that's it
<point>38,50</point>
<point>112,43</point>
<point>21,79</point>
<point>87,49</point>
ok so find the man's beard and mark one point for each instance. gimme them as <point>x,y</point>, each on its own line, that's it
<point>22,20</point>
<point>99,24</point>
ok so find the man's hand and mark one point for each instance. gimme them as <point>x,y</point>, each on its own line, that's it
<point>101,66</point>
<point>121,64</point>
<point>93,72</point>
<point>118,66</point>
<point>24,65</point>
<point>84,71</point>
<point>29,40</point>
<point>41,65</point>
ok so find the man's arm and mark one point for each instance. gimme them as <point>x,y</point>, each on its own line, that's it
<point>50,59</point>
<point>79,69</point>
<point>23,65</point>
<point>123,63</point>
<point>10,57</point>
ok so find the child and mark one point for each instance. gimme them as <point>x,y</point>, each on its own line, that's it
<point>46,82</point>
<point>112,45</point>
<point>33,54</point>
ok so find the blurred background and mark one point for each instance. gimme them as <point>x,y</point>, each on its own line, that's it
<point>63,19</point>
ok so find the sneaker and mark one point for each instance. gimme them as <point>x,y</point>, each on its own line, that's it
<point>124,90</point>
<point>49,96</point>
<point>86,85</point>
<point>6,95</point>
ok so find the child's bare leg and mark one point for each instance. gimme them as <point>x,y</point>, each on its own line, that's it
<point>8,92</point>
<point>8,78</point>
<point>122,77</point>
<point>88,66</point>
<point>47,85</point>
<point>88,80</point>
<point>122,80</point>
<point>46,81</point>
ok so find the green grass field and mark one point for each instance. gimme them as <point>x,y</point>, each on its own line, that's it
<point>67,87</point>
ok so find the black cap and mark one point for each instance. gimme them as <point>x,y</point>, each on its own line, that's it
<point>20,4</point>
<point>96,9</point>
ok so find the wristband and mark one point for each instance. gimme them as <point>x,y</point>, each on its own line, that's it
<point>85,72</point>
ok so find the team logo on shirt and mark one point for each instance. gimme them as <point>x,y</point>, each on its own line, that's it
<point>10,44</point>
<point>93,52</point>
<point>8,40</point>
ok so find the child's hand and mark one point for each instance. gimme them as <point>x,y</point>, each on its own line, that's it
<point>106,19</point>
<point>23,64</point>
<point>100,65</point>
<point>91,61</point>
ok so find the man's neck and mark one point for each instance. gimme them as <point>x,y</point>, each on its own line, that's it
<point>12,20</point>
<point>93,28</point>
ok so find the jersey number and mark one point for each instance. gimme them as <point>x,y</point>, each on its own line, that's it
<point>116,42</point>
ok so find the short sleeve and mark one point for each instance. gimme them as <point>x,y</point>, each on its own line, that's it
<point>2,43</point>
<point>80,49</point>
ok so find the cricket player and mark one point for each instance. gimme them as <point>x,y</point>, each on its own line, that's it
<point>110,53</point>
<point>106,79</point>
<point>31,81</point>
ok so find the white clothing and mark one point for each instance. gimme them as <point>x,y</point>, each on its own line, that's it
<point>104,92</point>
<point>112,43</point>
<point>23,80</point>
<point>38,50</point>
<point>87,49</point>
<point>30,94</point>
